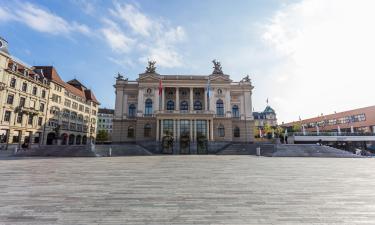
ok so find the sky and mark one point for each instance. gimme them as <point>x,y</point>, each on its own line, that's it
<point>307,57</point>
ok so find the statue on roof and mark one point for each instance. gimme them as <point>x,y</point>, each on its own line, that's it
<point>217,67</point>
<point>246,79</point>
<point>120,77</point>
<point>151,68</point>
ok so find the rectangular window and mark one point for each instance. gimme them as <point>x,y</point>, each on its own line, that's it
<point>13,82</point>
<point>81,108</point>
<point>65,125</point>
<point>40,121</point>
<point>184,128</point>
<point>35,90</point>
<point>201,128</point>
<point>30,121</point>
<point>43,93</point>
<point>93,112</point>
<point>22,102</point>
<point>10,99</point>
<point>56,98</point>
<point>87,110</point>
<point>67,102</point>
<point>19,117</point>
<point>24,87</point>
<point>75,105</point>
<point>72,126</point>
<point>7,115</point>
<point>41,107</point>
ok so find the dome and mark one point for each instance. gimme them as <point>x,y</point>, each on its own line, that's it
<point>3,45</point>
<point>268,109</point>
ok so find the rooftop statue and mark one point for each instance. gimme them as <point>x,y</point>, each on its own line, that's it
<point>151,67</point>
<point>246,79</point>
<point>217,67</point>
<point>120,77</point>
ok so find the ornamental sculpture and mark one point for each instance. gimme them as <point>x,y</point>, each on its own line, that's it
<point>151,67</point>
<point>246,79</point>
<point>217,67</point>
<point>120,77</point>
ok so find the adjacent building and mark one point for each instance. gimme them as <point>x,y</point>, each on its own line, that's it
<point>105,121</point>
<point>38,107</point>
<point>360,120</point>
<point>266,117</point>
<point>188,108</point>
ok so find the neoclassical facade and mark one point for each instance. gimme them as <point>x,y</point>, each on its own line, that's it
<point>189,107</point>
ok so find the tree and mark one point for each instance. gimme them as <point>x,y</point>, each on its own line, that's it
<point>102,136</point>
<point>296,127</point>
<point>279,130</point>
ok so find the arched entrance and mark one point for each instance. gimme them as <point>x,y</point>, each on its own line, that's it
<point>71,139</point>
<point>78,140</point>
<point>185,144</point>
<point>84,140</point>
<point>50,137</point>
<point>64,139</point>
<point>167,144</point>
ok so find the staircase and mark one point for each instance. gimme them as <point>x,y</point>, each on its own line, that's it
<point>310,150</point>
<point>247,149</point>
<point>128,149</point>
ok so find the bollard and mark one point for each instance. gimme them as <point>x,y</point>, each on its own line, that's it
<point>258,151</point>
<point>110,152</point>
<point>15,150</point>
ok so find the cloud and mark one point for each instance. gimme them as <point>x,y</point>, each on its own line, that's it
<point>41,20</point>
<point>155,39</point>
<point>325,57</point>
<point>116,38</point>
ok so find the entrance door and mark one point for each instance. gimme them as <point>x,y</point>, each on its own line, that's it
<point>50,138</point>
<point>202,145</point>
<point>167,144</point>
<point>185,144</point>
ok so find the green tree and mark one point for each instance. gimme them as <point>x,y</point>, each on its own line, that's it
<point>297,127</point>
<point>102,135</point>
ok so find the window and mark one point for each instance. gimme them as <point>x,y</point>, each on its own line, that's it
<point>236,132</point>
<point>75,106</point>
<point>184,105</point>
<point>184,127</point>
<point>170,105</point>
<point>87,110</point>
<point>219,91</point>
<point>94,112</point>
<point>132,110</point>
<point>72,126</point>
<point>167,127</point>
<point>197,105</point>
<point>43,93</point>
<point>73,115</point>
<point>235,111</point>
<point>30,121</point>
<point>67,102</point>
<point>24,87</point>
<point>148,90</point>
<point>81,108</point>
<point>201,128</point>
<point>147,130</point>
<point>220,107</point>
<point>10,99</point>
<point>13,82</point>
<point>130,132</point>
<point>7,115</point>
<point>40,121</point>
<point>41,107</point>
<point>19,117</point>
<point>56,98</point>
<point>221,131</point>
<point>148,107</point>
<point>35,90</point>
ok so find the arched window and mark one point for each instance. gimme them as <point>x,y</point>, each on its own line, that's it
<point>197,105</point>
<point>71,139</point>
<point>130,132</point>
<point>236,132</point>
<point>184,105</point>
<point>220,107</point>
<point>147,130</point>
<point>235,111</point>
<point>148,107</point>
<point>221,130</point>
<point>132,110</point>
<point>170,105</point>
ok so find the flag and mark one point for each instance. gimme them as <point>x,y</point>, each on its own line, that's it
<point>267,101</point>
<point>160,87</point>
<point>208,88</point>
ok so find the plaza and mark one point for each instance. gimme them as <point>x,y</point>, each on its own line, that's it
<point>187,189</point>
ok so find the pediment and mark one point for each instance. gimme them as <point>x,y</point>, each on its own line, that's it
<point>220,78</point>
<point>148,77</point>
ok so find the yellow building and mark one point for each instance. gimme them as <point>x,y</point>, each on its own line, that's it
<point>37,105</point>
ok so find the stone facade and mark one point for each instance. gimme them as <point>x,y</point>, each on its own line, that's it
<point>38,107</point>
<point>212,107</point>
<point>105,121</point>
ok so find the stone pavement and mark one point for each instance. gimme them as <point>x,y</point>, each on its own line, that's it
<point>187,190</point>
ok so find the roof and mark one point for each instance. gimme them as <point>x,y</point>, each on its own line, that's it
<point>268,109</point>
<point>106,111</point>
<point>74,86</point>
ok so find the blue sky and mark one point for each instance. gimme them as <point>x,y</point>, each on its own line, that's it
<point>283,45</point>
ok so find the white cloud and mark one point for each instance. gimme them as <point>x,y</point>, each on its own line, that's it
<point>328,50</point>
<point>41,20</point>
<point>116,38</point>
<point>139,22</point>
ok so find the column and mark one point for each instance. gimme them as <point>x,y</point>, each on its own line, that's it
<point>177,98</point>
<point>195,130</point>
<point>157,130</point>
<point>227,105</point>
<point>125,106</point>
<point>212,130</point>
<point>191,130</point>
<point>191,105</point>
<point>157,100</point>
<point>162,98</point>
<point>174,129</point>
<point>207,129</point>
<point>205,100</point>
<point>178,130</point>
<point>161,129</point>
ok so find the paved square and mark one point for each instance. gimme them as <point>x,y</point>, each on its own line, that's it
<point>187,190</point>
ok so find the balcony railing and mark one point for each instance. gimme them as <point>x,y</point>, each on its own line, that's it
<point>332,134</point>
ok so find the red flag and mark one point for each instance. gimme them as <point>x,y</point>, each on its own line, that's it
<point>160,87</point>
